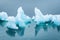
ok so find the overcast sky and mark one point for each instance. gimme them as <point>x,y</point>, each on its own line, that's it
<point>46,6</point>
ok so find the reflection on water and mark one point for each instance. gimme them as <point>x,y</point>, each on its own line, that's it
<point>11,32</point>
<point>45,26</point>
<point>38,31</point>
<point>20,31</point>
<point>2,23</point>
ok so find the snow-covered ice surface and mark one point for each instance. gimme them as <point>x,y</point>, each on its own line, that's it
<point>40,18</point>
<point>3,16</point>
<point>8,20</point>
<point>21,20</point>
<point>11,22</point>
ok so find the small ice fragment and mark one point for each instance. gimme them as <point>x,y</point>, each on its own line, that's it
<point>3,16</point>
<point>11,22</point>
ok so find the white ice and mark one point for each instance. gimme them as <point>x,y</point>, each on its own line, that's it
<point>11,23</point>
<point>22,18</point>
<point>56,19</point>
<point>3,16</point>
<point>39,17</point>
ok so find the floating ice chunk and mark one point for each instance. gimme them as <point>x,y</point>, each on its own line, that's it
<point>22,18</point>
<point>21,15</point>
<point>56,19</point>
<point>20,22</point>
<point>11,22</point>
<point>11,19</point>
<point>39,17</point>
<point>3,16</point>
<point>11,25</point>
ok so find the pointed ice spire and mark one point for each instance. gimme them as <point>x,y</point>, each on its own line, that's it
<point>38,12</point>
<point>39,17</point>
<point>22,17</point>
<point>20,12</point>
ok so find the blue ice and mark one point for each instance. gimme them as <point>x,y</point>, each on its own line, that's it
<point>39,17</point>
<point>56,19</point>
<point>22,19</point>
<point>3,16</point>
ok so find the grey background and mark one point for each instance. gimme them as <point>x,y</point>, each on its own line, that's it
<point>46,6</point>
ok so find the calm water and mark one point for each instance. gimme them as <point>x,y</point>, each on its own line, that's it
<point>32,32</point>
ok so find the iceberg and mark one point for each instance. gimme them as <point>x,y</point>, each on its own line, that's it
<point>11,23</point>
<point>56,19</point>
<point>22,19</point>
<point>39,17</point>
<point>3,16</point>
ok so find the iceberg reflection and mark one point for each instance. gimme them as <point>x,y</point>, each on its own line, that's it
<point>11,32</point>
<point>18,23</point>
<point>45,27</point>
<point>20,31</point>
